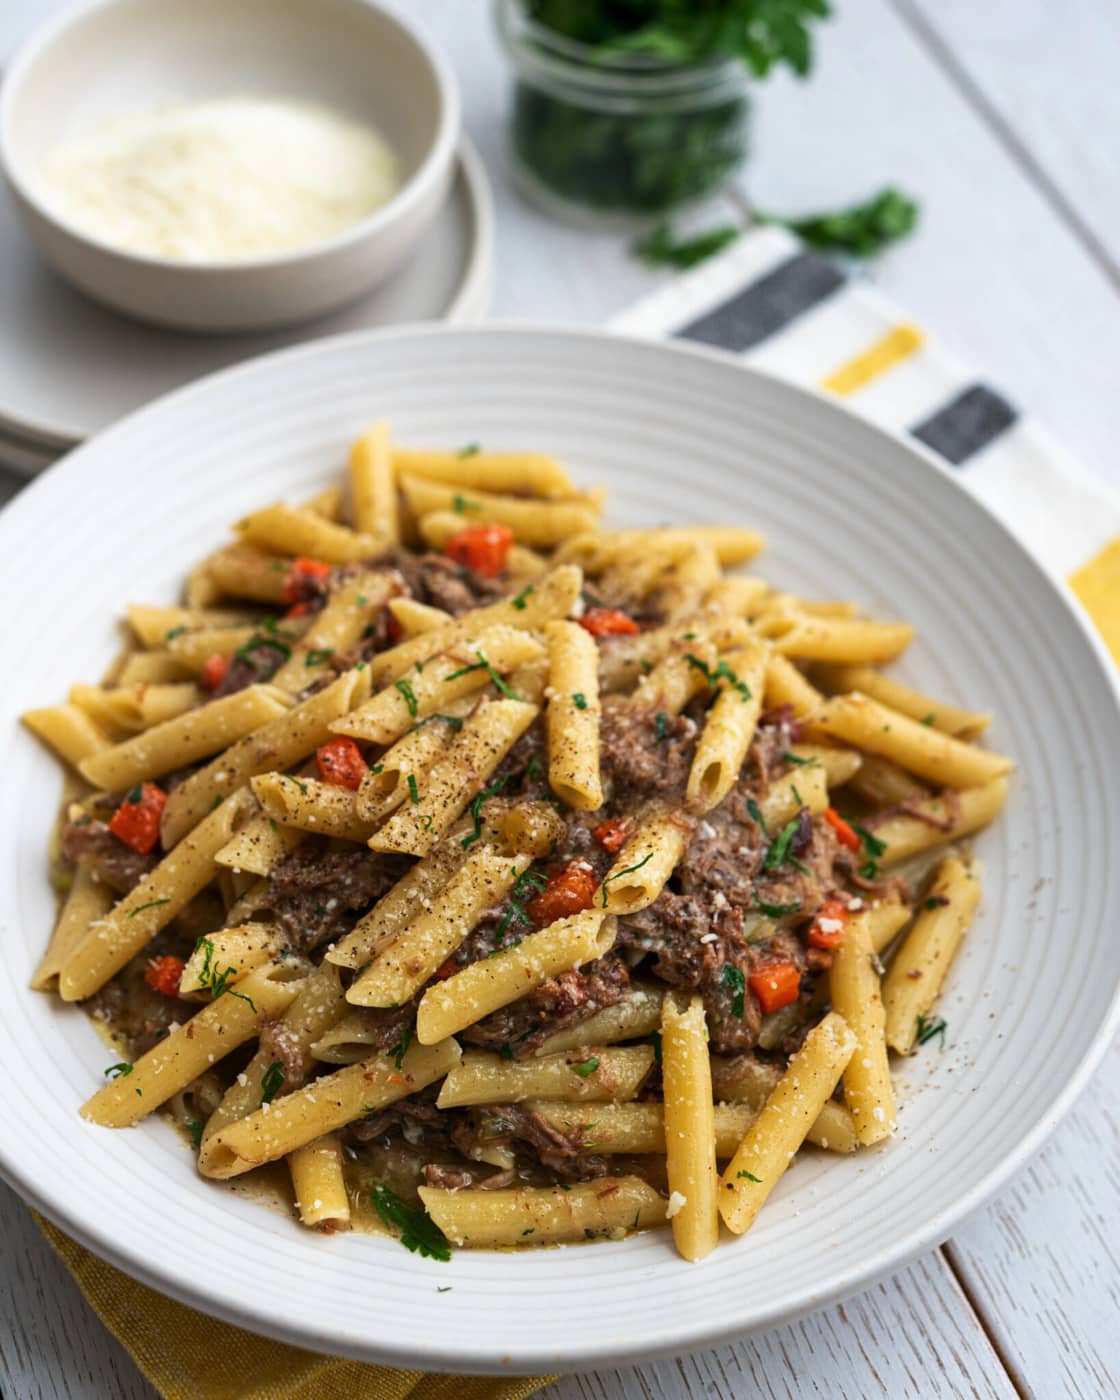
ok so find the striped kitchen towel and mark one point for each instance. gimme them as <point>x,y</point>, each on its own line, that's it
<point>796,315</point>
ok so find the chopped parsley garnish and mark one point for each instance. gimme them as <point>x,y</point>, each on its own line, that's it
<point>416,1229</point>
<point>796,795</point>
<point>929,1028</point>
<point>776,911</point>
<point>736,984</point>
<point>272,1081</point>
<point>505,1050</point>
<point>610,879</point>
<point>172,633</point>
<point>579,700</point>
<point>935,901</point>
<point>483,665</point>
<point>646,664</point>
<point>453,720</point>
<point>529,1229</point>
<point>661,724</point>
<point>531,879</point>
<point>472,449</point>
<point>460,505</point>
<point>788,757</point>
<point>655,1041</point>
<point>135,794</point>
<point>873,848</point>
<point>318,656</point>
<point>476,811</point>
<point>405,688</point>
<point>749,1176</point>
<point>216,978</point>
<point>289,779</point>
<point>397,1052</point>
<point>151,904</point>
<point>756,812</point>
<point>585,1068</point>
<point>413,789</point>
<point>928,719</point>
<point>536,772</point>
<point>519,601</point>
<point>361,600</point>
<point>119,1071</point>
<point>217,802</point>
<point>446,1288</point>
<point>722,671</point>
<point>778,854</point>
<point>196,1128</point>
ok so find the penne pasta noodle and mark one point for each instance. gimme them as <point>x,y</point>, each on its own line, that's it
<point>258,846</point>
<point>68,730</point>
<point>323,1106</point>
<point>603,1074</point>
<point>185,739</point>
<point>963,724</point>
<point>286,529</point>
<point>345,618</point>
<point>937,820</point>
<point>461,670</point>
<point>840,765</point>
<point>728,729</point>
<point>190,1049</point>
<point>150,668</point>
<point>394,910</point>
<point>413,617</point>
<point>918,969</point>
<point>386,785</point>
<point>804,787</point>
<point>542,523</point>
<point>450,1006</point>
<point>856,996</point>
<point>690,1134</point>
<point>319,1185</point>
<point>573,716</point>
<point>610,1208</point>
<point>237,950</point>
<point>636,1016</point>
<point>153,903</point>
<point>638,1129</point>
<point>373,485</point>
<point>643,866</point>
<point>310,805</point>
<point>455,778</point>
<point>398,972</point>
<point>87,902</point>
<point>918,748</point>
<point>133,708</point>
<point>785,685</point>
<point>885,784</point>
<point>158,627</point>
<point>554,596</point>
<point>790,1110</point>
<point>523,473</point>
<point>278,744</point>
<point>886,918</point>
<point>243,571</point>
<point>742,1079</point>
<point>815,638</point>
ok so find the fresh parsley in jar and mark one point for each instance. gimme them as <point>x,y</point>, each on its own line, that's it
<point>631,110</point>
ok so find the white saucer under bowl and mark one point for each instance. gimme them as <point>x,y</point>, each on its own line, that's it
<point>69,367</point>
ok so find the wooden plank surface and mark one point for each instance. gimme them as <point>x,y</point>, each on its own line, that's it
<point>1000,272</point>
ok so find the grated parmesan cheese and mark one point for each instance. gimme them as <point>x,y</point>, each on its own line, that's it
<point>677,1203</point>
<point>234,178</point>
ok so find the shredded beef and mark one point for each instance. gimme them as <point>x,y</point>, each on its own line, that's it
<point>564,1001</point>
<point>315,894</point>
<point>566,1152</point>
<point>440,582</point>
<point>636,763</point>
<point>459,1178</point>
<point>118,865</point>
<point>417,1120</point>
<point>256,662</point>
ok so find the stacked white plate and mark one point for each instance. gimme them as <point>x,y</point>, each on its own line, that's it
<point>69,367</point>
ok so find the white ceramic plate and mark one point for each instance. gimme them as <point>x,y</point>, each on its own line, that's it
<point>679,435</point>
<point>70,367</point>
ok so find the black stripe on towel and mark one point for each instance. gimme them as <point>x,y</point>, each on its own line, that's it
<point>972,420</point>
<point>766,305</point>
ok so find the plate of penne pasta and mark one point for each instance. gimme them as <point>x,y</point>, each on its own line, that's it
<point>504,815</point>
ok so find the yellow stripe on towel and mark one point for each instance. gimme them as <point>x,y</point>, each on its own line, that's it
<point>1097,584</point>
<point>898,344</point>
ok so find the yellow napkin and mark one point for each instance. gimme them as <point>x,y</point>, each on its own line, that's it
<point>188,1356</point>
<point>1097,584</point>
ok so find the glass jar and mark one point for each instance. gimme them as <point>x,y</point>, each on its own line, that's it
<point>618,137</point>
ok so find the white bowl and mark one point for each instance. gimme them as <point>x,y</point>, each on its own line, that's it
<point>679,435</point>
<point>114,58</point>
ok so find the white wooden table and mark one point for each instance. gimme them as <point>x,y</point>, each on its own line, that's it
<point>1004,118</point>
